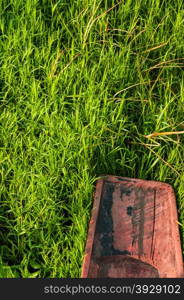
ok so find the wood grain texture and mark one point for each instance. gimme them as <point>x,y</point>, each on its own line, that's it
<point>133,231</point>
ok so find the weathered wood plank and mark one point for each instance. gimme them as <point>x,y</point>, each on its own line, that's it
<point>133,230</point>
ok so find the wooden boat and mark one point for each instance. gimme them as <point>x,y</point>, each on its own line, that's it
<point>133,231</point>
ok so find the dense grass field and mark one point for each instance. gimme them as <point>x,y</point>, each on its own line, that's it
<point>82,84</point>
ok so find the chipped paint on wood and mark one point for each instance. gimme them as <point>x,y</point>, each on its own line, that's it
<point>133,230</point>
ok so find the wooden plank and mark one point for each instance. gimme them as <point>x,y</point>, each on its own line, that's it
<point>133,230</point>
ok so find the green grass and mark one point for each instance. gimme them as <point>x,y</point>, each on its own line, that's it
<point>80,86</point>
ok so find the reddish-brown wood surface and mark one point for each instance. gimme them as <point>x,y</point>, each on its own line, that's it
<point>133,231</point>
